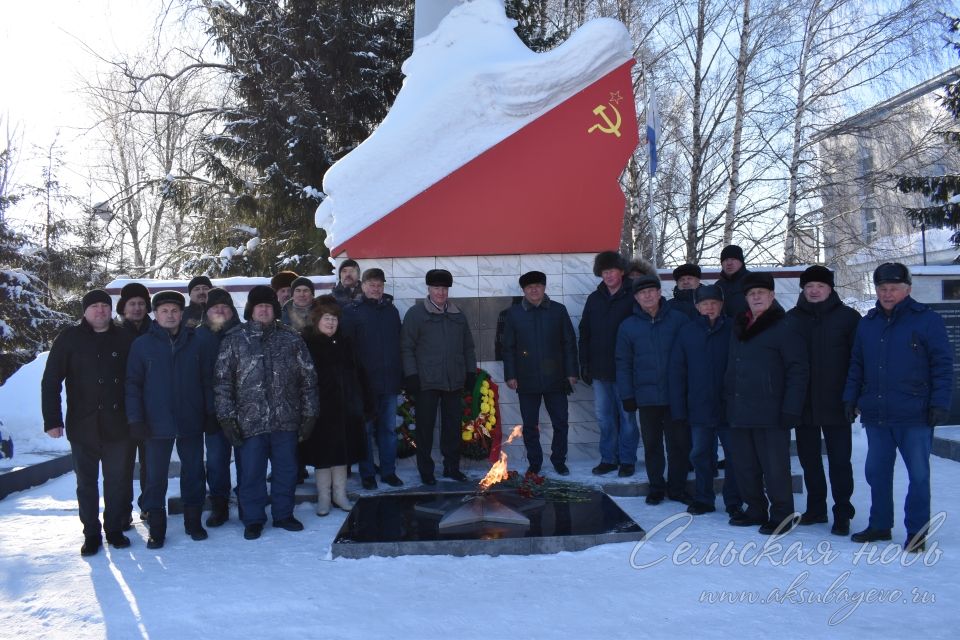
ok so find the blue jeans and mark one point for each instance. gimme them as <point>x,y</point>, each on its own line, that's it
<point>556,405</point>
<point>381,431</point>
<point>703,457</point>
<point>218,464</point>
<point>159,450</point>
<point>914,443</point>
<point>619,433</point>
<point>280,447</point>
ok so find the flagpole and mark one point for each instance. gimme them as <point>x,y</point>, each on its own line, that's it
<point>651,168</point>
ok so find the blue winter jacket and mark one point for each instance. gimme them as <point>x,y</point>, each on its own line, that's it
<point>539,347</point>
<point>378,342</point>
<point>901,365</point>
<point>169,383</point>
<point>697,366</point>
<point>643,351</point>
<point>599,321</point>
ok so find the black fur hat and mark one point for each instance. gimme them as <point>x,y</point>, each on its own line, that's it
<point>758,280</point>
<point>687,269</point>
<point>892,272</point>
<point>197,281</point>
<point>439,278</point>
<point>608,260</point>
<point>166,297</point>
<point>533,277</point>
<point>816,273</point>
<point>95,296</point>
<point>732,251</point>
<point>261,294</point>
<point>132,290</point>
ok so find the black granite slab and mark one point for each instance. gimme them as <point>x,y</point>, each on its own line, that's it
<point>392,525</point>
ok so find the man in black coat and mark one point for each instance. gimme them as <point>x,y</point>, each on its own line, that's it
<point>197,291</point>
<point>602,314</point>
<point>829,327</point>
<point>687,277</point>
<point>378,346</point>
<point>133,309</point>
<point>732,274</point>
<point>91,357</point>
<point>765,387</point>
<point>540,361</point>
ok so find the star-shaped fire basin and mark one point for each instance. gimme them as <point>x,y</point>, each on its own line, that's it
<point>470,511</point>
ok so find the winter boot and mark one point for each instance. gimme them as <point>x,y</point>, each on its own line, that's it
<point>323,477</point>
<point>157,523</point>
<point>220,512</point>
<point>339,481</point>
<point>191,523</point>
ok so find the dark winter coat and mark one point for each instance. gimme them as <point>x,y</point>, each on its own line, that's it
<point>339,436</point>
<point>901,365</point>
<point>644,343</point>
<point>697,366</point>
<point>264,379</point>
<point>93,366</point>
<point>345,295</point>
<point>767,371</point>
<point>193,315</point>
<point>683,302</point>
<point>539,347</point>
<point>734,299</point>
<point>601,317</point>
<point>132,328</point>
<point>169,381</point>
<point>378,325</point>
<point>437,346</point>
<point>295,317</point>
<point>828,328</point>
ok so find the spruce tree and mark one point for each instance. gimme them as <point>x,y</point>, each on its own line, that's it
<point>941,190</point>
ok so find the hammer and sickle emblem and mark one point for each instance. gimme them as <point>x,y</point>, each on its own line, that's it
<point>611,127</point>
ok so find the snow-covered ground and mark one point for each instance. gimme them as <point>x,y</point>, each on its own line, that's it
<point>20,417</point>
<point>807,584</point>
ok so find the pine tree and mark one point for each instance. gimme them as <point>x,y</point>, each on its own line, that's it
<point>941,190</point>
<point>313,79</point>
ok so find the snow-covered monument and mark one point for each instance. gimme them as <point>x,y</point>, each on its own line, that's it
<point>493,161</point>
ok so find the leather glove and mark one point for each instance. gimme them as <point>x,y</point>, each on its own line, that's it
<point>210,424</point>
<point>232,430</point>
<point>139,430</point>
<point>412,384</point>
<point>585,376</point>
<point>790,420</point>
<point>629,405</point>
<point>306,427</point>
<point>470,381</point>
<point>850,411</point>
<point>937,416</point>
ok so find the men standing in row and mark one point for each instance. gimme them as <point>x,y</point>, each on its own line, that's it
<point>378,347</point>
<point>280,283</point>
<point>221,317</point>
<point>828,327</point>
<point>732,274</point>
<point>765,386</point>
<point>900,379</point>
<point>540,361</point>
<point>602,314</point>
<point>92,357</point>
<point>169,399</point>
<point>697,367</point>
<point>348,288</point>
<point>266,399</point>
<point>644,342</point>
<point>197,292</point>
<point>439,361</point>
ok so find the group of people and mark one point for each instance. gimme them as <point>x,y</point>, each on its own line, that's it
<point>304,380</point>
<point>725,362</point>
<point>311,380</point>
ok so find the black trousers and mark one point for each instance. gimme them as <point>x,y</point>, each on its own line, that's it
<point>137,449</point>
<point>657,428</point>
<point>450,404</point>
<point>839,449</point>
<point>762,459</point>
<point>117,484</point>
